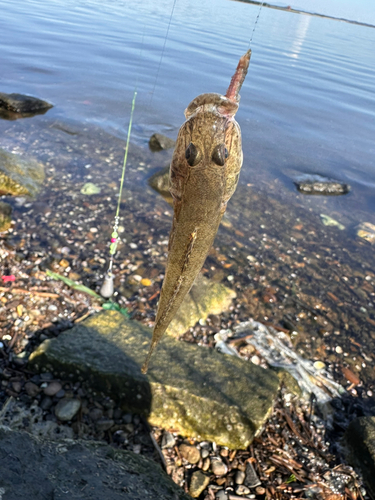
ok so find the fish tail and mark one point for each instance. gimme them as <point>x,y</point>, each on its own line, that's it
<point>238,78</point>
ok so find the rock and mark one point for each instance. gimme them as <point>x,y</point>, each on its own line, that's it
<point>218,467</point>
<point>366,231</point>
<point>46,403</point>
<point>90,188</point>
<point>168,440</point>
<point>67,408</point>
<point>204,298</point>
<point>221,495</point>
<point>239,477</point>
<point>160,183</point>
<point>32,389</point>
<point>206,464</point>
<point>158,142</point>
<point>319,185</point>
<point>52,389</point>
<point>328,221</point>
<point>39,469</point>
<point>198,483</point>
<point>96,414</point>
<point>19,176</point>
<point>5,216</point>
<point>13,106</point>
<point>104,424</point>
<point>242,490</point>
<point>189,453</point>
<point>192,389</point>
<point>360,437</point>
<point>251,477</point>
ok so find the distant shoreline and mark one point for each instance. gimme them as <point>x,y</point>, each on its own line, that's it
<point>297,11</point>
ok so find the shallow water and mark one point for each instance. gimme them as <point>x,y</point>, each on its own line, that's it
<point>308,104</point>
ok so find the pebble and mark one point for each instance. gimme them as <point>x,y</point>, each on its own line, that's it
<point>52,389</point>
<point>239,478</point>
<point>319,365</point>
<point>168,440</point>
<point>104,424</point>
<point>146,282</point>
<point>206,464</point>
<point>95,414</point>
<point>218,468</point>
<point>133,245</point>
<point>221,495</point>
<point>60,394</point>
<point>204,453</point>
<point>31,389</point>
<point>52,307</point>
<point>251,478</point>
<point>17,386</point>
<point>198,483</point>
<point>339,349</point>
<point>137,448</point>
<point>190,453</point>
<point>46,403</point>
<point>242,490</point>
<point>67,408</point>
<point>255,359</point>
<point>260,490</point>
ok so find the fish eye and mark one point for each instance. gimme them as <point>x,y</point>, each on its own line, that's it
<point>192,155</point>
<point>220,154</point>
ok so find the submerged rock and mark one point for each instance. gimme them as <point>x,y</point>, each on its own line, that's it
<point>90,188</point>
<point>158,142</point>
<point>19,176</point>
<point>360,437</point>
<point>160,183</point>
<point>319,185</point>
<point>13,106</point>
<point>366,231</point>
<point>194,390</point>
<point>40,469</point>
<point>204,298</point>
<point>5,216</point>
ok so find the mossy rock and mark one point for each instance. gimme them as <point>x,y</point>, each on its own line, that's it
<point>193,389</point>
<point>19,176</point>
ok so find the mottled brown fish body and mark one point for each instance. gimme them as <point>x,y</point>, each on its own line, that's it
<point>203,176</point>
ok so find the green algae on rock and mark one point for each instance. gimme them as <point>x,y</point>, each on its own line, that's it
<point>39,469</point>
<point>193,389</point>
<point>19,176</point>
<point>5,216</point>
<point>204,298</point>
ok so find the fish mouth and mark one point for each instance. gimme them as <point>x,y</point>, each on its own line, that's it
<point>214,103</point>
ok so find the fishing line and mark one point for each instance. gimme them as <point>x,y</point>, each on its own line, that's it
<point>107,287</point>
<point>163,50</point>
<point>255,24</point>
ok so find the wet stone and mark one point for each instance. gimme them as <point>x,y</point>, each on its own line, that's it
<point>221,495</point>
<point>204,453</point>
<point>67,408</point>
<point>198,483</point>
<point>158,142</point>
<point>5,216</point>
<point>319,185</point>
<point>22,105</point>
<point>19,176</point>
<point>251,477</point>
<point>206,464</point>
<point>189,453</point>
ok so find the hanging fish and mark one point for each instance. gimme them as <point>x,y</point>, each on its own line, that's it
<point>204,173</point>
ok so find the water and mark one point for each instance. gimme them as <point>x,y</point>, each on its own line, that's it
<point>307,105</point>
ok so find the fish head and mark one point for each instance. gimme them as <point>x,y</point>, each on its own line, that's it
<point>208,146</point>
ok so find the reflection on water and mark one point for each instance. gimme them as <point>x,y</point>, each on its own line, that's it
<point>300,35</point>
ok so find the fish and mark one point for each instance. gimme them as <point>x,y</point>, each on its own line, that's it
<point>203,176</point>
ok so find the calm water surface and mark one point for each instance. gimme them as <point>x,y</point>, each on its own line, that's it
<point>308,104</point>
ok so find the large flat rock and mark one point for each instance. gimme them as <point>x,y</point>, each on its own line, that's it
<point>360,437</point>
<point>195,390</point>
<point>205,297</point>
<point>34,469</point>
